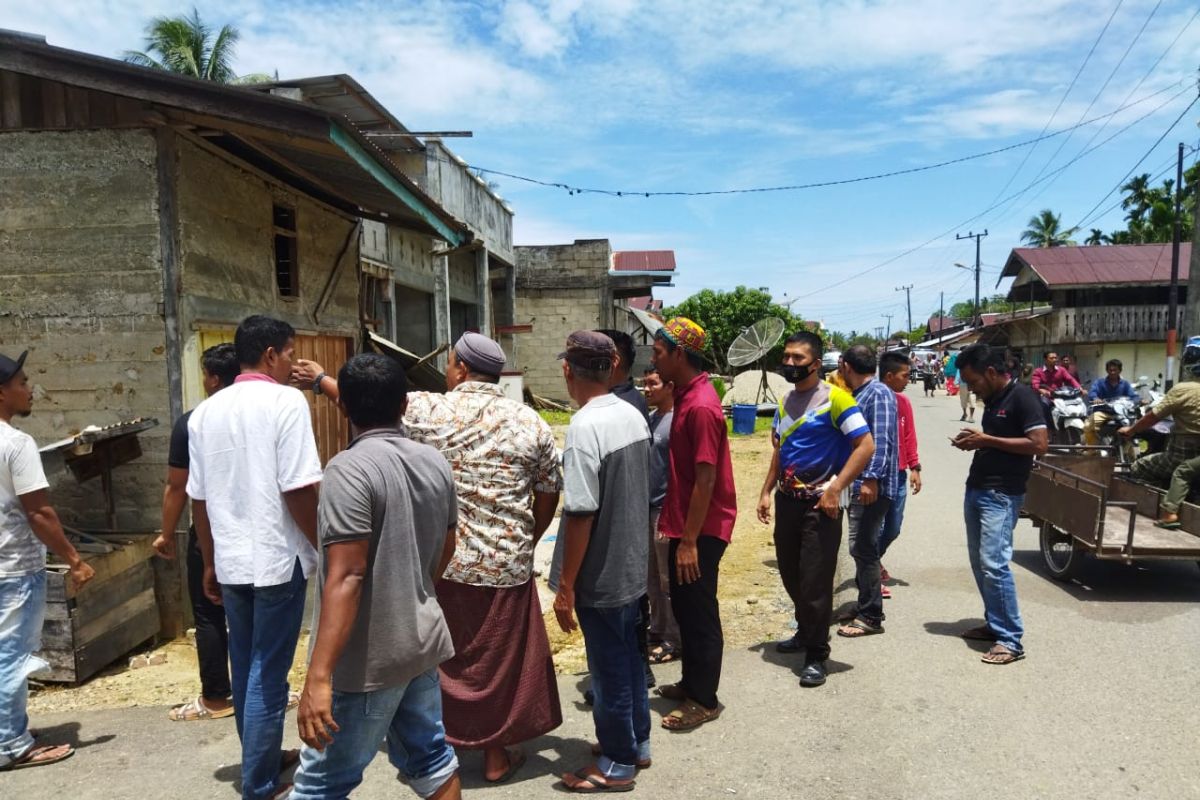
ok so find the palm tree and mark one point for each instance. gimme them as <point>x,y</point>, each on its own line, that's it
<point>1043,231</point>
<point>187,46</point>
<point>1097,236</point>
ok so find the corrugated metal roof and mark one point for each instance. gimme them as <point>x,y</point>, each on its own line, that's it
<point>644,261</point>
<point>1096,265</point>
<point>646,303</point>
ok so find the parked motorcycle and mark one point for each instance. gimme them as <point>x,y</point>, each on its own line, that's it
<point>1068,412</point>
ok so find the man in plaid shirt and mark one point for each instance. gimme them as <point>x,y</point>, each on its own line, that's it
<point>873,491</point>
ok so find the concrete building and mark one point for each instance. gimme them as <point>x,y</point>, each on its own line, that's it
<point>419,290</point>
<point>567,287</point>
<point>145,214</point>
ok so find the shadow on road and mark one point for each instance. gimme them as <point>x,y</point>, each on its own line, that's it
<point>793,661</point>
<point>68,733</point>
<point>955,629</point>
<point>1114,582</point>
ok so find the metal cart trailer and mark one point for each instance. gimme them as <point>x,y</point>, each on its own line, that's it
<point>1083,505</point>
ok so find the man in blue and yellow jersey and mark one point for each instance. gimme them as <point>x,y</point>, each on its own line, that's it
<point>822,443</point>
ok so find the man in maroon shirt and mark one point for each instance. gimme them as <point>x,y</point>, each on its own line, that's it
<point>698,517</point>
<point>1049,378</point>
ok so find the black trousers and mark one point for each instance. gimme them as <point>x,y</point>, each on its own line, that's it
<point>699,616</point>
<point>212,637</point>
<point>806,549</point>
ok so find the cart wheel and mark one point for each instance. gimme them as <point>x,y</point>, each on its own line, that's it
<point>1063,558</point>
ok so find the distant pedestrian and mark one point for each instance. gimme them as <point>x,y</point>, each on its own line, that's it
<point>951,371</point>
<point>821,444</point>
<point>387,520</point>
<point>894,369</point>
<point>28,526</point>
<point>698,516</point>
<point>873,491</point>
<point>663,632</point>
<point>220,368</point>
<point>253,478</point>
<point>1014,431</point>
<point>600,564</point>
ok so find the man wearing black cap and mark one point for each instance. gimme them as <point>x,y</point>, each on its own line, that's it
<point>599,568</point>
<point>28,526</point>
<point>499,689</point>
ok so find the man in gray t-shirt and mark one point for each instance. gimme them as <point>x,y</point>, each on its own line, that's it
<point>386,523</point>
<point>600,564</point>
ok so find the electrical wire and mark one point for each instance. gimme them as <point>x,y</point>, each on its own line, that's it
<point>1061,100</point>
<point>988,210</point>
<point>571,189</point>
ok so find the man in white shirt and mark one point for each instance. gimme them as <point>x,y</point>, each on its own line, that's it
<point>28,525</point>
<point>253,479</point>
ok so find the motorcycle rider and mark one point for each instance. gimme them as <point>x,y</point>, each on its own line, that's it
<point>1049,378</point>
<point>1105,390</point>
<point>1181,403</point>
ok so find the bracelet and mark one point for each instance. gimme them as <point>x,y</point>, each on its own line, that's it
<point>317,383</point>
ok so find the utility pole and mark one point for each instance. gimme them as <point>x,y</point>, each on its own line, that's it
<point>1173,297</point>
<point>941,312</point>
<point>878,333</point>
<point>908,301</point>
<point>976,237</point>
<point>888,336</point>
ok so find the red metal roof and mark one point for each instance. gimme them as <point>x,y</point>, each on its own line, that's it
<point>644,261</point>
<point>645,303</point>
<point>1110,264</point>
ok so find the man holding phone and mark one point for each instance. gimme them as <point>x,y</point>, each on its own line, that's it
<point>822,443</point>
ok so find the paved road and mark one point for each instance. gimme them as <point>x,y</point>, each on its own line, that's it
<point>1102,707</point>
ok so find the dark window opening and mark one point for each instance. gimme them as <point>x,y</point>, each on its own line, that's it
<point>287,271</point>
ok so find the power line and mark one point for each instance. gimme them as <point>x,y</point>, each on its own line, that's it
<point>571,189</point>
<point>1061,100</point>
<point>988,210</point>
<point>1087,217</point>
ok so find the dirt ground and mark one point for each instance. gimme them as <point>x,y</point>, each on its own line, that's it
<point>753,609</point>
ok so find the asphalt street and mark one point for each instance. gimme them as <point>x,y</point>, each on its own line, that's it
<point>1102,707</point>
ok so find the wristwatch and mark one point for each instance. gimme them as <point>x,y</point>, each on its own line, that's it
<point>317,384</point>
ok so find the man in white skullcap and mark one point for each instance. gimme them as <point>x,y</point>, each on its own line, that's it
<point>499,689</point>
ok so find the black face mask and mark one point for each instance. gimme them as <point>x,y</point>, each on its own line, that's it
<point>793,373</point>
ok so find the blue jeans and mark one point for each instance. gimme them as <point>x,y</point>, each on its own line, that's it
<point>991,517</point>
<point>264,625</point>
<point>408,716</point>
<point>866,523</point>
<point>22,608</point>
<point>621,709</point>
<point>895,515</point>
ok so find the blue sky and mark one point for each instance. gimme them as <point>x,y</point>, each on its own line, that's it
<point>697,95</point>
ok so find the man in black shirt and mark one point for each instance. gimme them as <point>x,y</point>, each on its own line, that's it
<point>621,382</point>
<point>215,701</point>
<point>1014,431</point>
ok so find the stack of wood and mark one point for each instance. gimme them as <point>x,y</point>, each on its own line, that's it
<point>543,404</point>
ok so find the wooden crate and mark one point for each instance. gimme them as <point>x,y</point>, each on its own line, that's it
<point>115,612</point>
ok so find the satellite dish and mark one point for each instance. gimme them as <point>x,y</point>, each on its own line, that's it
<point>752,345</point>
<point>650,323</point>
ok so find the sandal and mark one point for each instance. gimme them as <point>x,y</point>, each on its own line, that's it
<point>293,701</point>
<point>641,763</point>
<point>859,627</point>
<point>663,654</point>
<point>980,633</point>
<point>689,716</point>
<point>1169,525</point>
<point>40,756</point>
<point>516,760</point>
<point>195,709</point>
<point>589,780</point>
<point>1000,655</point>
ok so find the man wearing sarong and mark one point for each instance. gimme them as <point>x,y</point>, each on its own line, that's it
<point>499,689</point>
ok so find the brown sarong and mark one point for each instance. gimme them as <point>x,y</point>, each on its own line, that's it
<point>499,689</point>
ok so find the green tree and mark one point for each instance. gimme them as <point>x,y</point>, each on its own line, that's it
<point>1045,230</point>
<point>724,315</point>
<point>186,45</point>
<point>965,309</point>
<point>1150,210</point>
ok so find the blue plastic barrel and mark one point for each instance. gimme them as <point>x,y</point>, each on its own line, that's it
<point>743,418</point>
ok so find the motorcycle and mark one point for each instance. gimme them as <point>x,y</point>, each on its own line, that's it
<point>1153,440</point>
<point>1120,412</point>
<point>1068,412</point>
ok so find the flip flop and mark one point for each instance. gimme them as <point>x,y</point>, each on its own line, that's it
<point>588,781</point>
<point>862,627</point>
<point>516,760</point>
<point>1169,526</point>
<point>1001,655</point>
<point>663,654</point>
<point>30,758</point>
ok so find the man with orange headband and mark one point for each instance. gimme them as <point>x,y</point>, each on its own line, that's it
<point>697,516</point>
